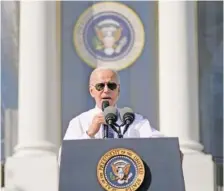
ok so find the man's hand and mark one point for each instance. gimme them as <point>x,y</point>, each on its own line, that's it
<point>98,120</point>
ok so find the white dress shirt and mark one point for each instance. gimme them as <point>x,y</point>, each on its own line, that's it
<point>79,125</point>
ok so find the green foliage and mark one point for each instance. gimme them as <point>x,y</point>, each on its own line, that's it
<point>97,44</point>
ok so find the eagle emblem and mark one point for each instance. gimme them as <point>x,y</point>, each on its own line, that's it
<point>109,34</point>
<point>109,37</point>
<point>121,172</point>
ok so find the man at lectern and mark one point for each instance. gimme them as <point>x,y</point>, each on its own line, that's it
<point>104,87</point>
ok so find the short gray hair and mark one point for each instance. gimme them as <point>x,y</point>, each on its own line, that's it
<point>104,68</point>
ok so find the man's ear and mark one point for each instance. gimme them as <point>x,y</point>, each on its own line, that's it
<point>91,91</point>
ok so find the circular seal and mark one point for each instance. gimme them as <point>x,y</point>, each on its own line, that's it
<point>120,169</point>
<point>109,34</point>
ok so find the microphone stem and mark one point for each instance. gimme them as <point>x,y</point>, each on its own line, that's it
<point>105,131</point>
<point>114,128</point>
<point>116,125</point>
<point>120,134</point>
<point>126,128</point>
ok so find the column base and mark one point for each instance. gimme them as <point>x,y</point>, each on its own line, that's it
<point>190,146</point>
<point>30,173</point>
<point>35,148</point>
<point>198,170</point>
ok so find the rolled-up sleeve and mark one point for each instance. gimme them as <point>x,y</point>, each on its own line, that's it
<point>75,130</point>
<point>145,130</point>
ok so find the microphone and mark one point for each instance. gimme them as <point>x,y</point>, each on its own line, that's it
<point>110,115</point>
<point>105,104</point>
<point>127,115</point>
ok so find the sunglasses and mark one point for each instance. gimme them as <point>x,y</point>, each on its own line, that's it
<point>101,86</point>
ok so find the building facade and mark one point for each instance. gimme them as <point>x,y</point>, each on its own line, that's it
<point>171,73</point>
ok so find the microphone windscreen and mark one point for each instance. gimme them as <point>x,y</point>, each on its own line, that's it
<point>105,104</point>
<point>109,110</point>
<point>124,111</point>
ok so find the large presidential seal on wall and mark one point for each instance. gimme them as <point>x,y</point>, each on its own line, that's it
<point>109,34</point>
<point>120,169</point>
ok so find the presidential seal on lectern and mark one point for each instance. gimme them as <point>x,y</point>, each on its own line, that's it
<point>120,169</point>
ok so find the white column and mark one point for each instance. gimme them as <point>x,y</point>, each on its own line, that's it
<point>34,165</point>
<point>178,90</point>
<point>178,73</point>
<point>39,80</point>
